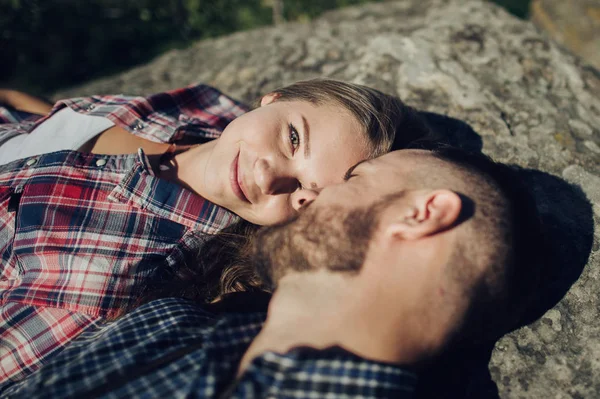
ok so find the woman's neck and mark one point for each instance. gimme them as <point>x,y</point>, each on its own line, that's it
<point>186,165</point>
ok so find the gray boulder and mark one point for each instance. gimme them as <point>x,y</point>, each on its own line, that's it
<point>528,102</point>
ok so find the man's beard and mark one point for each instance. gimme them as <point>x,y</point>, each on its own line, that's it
<point>332,238</point>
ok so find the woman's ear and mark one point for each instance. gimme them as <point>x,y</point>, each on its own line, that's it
<point>426,213</point>
<point>269,98</point>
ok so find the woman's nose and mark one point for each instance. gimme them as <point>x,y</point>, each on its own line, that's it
<point>274,179</point>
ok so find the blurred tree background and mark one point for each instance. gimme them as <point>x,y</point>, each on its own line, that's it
<point>51,44</point>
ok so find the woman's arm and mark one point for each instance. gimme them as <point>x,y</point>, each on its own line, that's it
<point>24,102</point>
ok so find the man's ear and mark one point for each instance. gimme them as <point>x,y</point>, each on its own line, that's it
<point>269,98</point>
<point>426,213</point>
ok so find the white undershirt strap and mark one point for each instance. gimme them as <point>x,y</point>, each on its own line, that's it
<point>65,130</point>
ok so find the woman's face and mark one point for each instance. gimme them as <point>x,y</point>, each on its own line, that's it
<point>273,160</point>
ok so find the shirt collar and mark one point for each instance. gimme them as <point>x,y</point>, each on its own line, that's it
<point>142,188</point>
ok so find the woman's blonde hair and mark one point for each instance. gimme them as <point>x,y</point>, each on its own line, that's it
<point>388,123</point>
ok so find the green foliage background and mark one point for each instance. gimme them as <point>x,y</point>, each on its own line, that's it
<point>49,44</point>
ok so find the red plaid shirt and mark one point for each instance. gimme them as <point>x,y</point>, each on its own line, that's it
<point>80,232</point>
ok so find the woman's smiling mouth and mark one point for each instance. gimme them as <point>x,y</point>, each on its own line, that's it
<point>235,180</point>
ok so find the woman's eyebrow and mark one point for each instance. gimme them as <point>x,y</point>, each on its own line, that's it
<point>351,169</point>
<point>306,137</point>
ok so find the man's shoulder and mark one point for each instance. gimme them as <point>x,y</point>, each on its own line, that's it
<point>173,315</point>
<point>170,336</point>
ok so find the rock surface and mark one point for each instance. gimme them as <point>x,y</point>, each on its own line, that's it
<point>532,103</point>
<point>574,24</point>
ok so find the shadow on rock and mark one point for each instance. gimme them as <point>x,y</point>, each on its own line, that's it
<point>453,131</point>
<point>567,220</point>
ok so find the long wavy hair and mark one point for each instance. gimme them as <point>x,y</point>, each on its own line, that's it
<point>220,266</point>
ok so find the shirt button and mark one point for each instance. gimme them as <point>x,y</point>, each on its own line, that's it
<point>138,126</point>
<point>89,107</point>
<point>31,161</point>
<point>100,162</point>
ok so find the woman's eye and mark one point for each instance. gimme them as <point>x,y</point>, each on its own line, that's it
<point>294,138</point>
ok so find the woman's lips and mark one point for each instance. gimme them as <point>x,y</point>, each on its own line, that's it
<point>236,183</point>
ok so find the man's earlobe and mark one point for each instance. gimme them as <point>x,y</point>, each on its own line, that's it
<point>431,212</point>
<point>269,98</point>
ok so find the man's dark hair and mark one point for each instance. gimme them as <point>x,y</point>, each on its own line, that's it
<point>500,297</point>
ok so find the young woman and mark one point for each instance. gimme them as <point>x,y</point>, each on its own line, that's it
<point>109,194</point>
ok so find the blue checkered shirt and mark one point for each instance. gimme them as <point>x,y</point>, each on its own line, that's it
<point>173,348</point>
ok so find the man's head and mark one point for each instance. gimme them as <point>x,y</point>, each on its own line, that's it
<point>433,236</point>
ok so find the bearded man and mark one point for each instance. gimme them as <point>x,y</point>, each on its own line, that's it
<point>419,253</point>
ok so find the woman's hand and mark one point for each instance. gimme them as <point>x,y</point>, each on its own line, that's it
<point>24,102</point>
